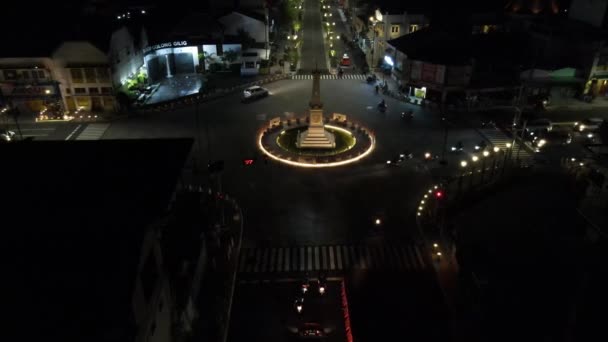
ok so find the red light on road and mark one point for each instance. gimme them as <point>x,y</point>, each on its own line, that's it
<point>439,194</point>
<point>248,161</point>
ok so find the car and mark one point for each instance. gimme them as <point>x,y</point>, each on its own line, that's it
<point>345,60</point>
<point>539,125</point>
<point>254,92</point>
<point>591,124</point>
<point>553,138</point>
<point>6,136</point>
<point>311,331</point>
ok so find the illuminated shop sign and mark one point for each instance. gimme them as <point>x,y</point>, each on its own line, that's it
<point>166,45</point>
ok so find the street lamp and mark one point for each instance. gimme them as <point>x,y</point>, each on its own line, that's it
<point>463,165</point>
<point>483,164</point>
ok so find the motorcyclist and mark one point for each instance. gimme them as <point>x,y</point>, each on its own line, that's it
<point>382,104</point>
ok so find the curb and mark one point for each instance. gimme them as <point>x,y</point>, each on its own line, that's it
<point>194,98</point>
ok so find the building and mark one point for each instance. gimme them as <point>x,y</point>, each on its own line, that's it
<point>87,262</point>
<point>126,53</point>
<point>69,77</point>
<point>428,64</point>
<point>390,21</point>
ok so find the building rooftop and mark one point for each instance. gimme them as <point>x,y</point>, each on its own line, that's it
<point>434,46</point>
<point>78,213</point>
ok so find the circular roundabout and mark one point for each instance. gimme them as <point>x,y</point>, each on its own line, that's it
<point>352,142</point>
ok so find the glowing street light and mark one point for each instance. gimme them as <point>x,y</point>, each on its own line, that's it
<point>475,158</point>
<point>508,145</point>
<point>435,245</point>
<point>378,222</point>
<point>496,149</point>
<point>463,163</point>
<point>486,153</point>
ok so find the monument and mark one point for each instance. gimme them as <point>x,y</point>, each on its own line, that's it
<point>316,136</point>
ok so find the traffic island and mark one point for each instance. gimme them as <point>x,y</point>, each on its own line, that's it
<point>353,143</point>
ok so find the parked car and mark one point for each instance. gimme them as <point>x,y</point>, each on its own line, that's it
<point>254,92</point>
<point>591,124</point>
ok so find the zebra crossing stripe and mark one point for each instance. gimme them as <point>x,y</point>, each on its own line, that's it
<point>264,260</point>
<point>243,259</point>
<point>404,257</point>
<point>419,256</point>
<point>287,259</point>
<point>381,255</point>
<point>332,265</point>
<point>317,267</point>
<point>339,256</point>
<point>324,251</point>
<point>258,257</point>
<point>363,257</point>
<point>309,263</point>
<point>280,257</point>
<point>412,257</point>
<point>352,260</point>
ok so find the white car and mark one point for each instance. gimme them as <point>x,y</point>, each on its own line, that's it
<point>254,93</point>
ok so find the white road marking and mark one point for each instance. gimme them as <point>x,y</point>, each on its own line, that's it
<point>73,132</point>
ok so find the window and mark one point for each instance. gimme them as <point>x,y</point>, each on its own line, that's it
<point>93,90</point>
<point>89,73</point>
<point>40,73</point>
<point>26,74</point>
<point>10,74</point>
<point>249,65</point>
<point>80,91</point>
<point>103,75</point>
<point>68,90</point>
<point>394,28</point>
<point>77,76</point>
<point>106,90</point>
<point>414,28</point>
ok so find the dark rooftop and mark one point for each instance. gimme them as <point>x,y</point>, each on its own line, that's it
<point>434,46</point>
<point>76,213</point>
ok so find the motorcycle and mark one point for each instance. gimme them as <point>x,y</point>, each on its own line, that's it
<point>458,147</point>
<point>382,107</point>
<point>371,78</point>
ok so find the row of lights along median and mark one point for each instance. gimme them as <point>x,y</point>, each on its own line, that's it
<point>485,154</point>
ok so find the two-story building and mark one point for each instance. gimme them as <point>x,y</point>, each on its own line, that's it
<point>68,77</point>
<point>390,21</point>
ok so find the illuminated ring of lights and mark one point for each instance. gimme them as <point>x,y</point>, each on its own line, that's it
<point>332,164</point>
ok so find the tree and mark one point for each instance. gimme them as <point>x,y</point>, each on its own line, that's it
<point>230,56</point>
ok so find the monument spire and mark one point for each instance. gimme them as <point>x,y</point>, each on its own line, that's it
<point>315,99</point>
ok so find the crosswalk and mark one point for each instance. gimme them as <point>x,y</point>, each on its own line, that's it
<point>93,131</point>
<point>500,140</point>
<point>330,77</point>
<point>332,258</point>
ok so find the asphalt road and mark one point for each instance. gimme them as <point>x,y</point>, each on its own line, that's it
<point>285,205</point>
<point>313,52</point>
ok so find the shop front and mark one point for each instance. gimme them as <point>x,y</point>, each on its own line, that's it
<point>32,98</point>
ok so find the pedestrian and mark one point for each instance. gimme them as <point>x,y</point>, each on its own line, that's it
<point>377,89</point>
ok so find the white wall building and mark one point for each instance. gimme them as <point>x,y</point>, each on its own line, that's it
<point>126,55</point>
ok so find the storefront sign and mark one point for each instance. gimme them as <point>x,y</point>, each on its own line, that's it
<point>166,45</point>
